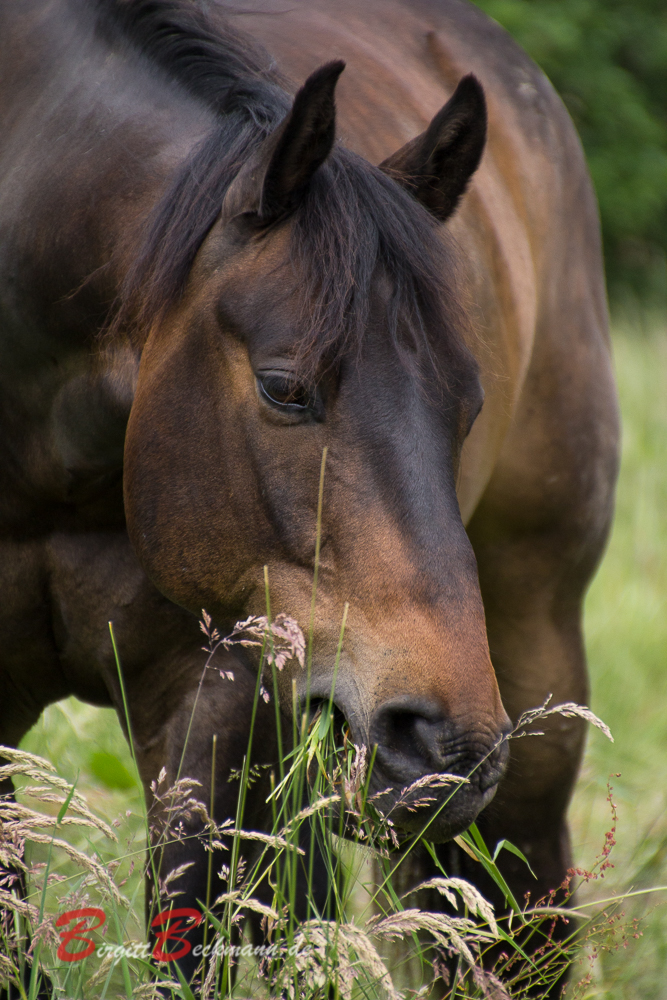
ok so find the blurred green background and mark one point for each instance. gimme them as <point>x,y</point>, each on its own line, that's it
<point>608,61</point>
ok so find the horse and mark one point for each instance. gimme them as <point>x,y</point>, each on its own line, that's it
<point>202,287</point>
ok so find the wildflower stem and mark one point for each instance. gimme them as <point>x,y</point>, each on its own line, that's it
<point>130,739</point>
<point>209,874</point>
<point>274,677</point>
<point>316,569</point>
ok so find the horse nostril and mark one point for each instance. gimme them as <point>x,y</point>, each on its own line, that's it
<point>415,735</point>
<point>415,738</point>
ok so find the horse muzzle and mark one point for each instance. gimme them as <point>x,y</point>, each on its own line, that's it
<point>430,774</point>
<point>420,754</point>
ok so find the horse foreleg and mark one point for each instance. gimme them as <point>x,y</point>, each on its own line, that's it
<point>533,585</point>
<point>203,736</point>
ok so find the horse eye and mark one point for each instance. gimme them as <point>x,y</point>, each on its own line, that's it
<point>284,392</point>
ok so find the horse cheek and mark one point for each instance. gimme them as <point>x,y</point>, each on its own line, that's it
<point>179,500</point>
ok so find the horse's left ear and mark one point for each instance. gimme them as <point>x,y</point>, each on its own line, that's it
<point>275,178</point>
<point>437,165</point>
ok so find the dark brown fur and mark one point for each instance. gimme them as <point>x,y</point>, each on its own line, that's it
<point>167,234</point>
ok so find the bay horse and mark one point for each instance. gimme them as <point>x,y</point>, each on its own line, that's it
<point>201,287</point>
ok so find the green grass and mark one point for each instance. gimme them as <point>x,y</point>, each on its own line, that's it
<point>626,629</point>
<point>627,641</point>
<point>87,746</point>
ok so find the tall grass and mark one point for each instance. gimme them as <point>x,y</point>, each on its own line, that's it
<point>627,636</point>
<point>331,950</point>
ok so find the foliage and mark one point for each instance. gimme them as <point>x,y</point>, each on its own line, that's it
<point>608,61</point>
<point>338,953</point>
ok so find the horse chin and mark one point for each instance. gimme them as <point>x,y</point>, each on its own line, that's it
<point>397,816</point>
<point>439,823</point>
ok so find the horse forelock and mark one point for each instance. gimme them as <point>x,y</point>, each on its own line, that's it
<point>352,223</point>
<point>355,224</point>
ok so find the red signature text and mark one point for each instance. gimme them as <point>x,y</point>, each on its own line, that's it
<point>75,934</point>
<point>173,919</point>
<point>170,926</point>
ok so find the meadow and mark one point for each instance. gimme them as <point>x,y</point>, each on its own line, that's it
<point>626,631</point>
<point>626,628</point>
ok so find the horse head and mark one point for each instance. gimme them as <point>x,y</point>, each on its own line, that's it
<point>321,312</point>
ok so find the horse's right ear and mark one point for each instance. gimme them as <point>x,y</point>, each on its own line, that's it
<point>271,184</point>
<point>437,165</point>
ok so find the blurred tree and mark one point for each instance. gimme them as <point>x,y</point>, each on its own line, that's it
<point>608,61</point>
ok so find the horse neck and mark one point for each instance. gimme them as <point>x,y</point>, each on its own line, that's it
<point>88,145</point>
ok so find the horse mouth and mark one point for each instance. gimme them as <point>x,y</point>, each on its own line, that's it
<point>441,805</point>
<point>437,812</point>
<point>394,798</point>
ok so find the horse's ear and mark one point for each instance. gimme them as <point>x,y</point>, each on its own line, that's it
<point>305,140</point>
<point>273,181</point>
<point>437,165</point>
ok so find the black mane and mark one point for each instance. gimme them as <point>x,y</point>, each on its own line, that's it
<point>352,220</point>
<point>193,43</point>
